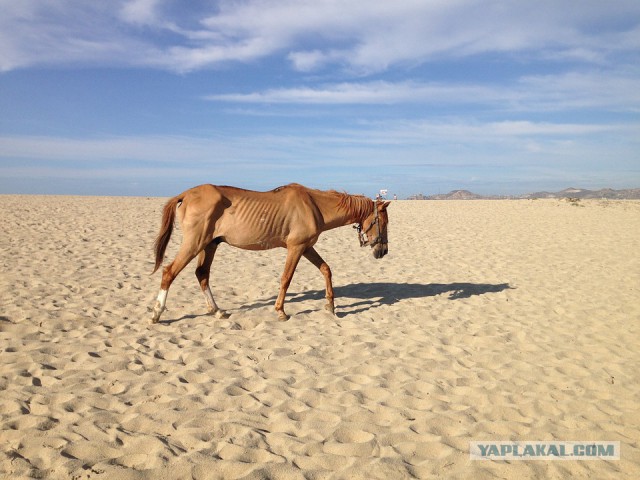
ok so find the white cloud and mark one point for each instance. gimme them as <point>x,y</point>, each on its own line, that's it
<point>612,90</point>
<point>140,11</point>
<point>172,150</point>
<point>308,61</point>
<point>409,151</point>
<point>366,93</point>
<point>62,32</point>
<point>155,150</point>
<point>501,135</point>
<point>360,35</point>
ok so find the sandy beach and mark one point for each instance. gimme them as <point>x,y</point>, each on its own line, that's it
<point>487,321</point>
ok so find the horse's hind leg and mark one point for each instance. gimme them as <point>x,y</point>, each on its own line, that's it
<point>311,255</point>
<point>169,274</point>
<point>203,273</point>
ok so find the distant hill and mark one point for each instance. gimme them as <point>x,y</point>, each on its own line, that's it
<point>457,195</point>
<point>580,193</point>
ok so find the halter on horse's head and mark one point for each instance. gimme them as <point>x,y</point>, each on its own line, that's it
<point>372,231</point>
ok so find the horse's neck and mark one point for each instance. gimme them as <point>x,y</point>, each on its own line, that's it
<point>333,215</point>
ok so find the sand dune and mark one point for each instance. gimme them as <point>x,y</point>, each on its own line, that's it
<point>488,320</point>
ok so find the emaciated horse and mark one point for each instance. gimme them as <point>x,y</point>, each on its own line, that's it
<point>292,217</point>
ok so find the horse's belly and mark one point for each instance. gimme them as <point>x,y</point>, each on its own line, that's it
<point>254,240</point>
<point>252,228</point>
<point>264,244</point>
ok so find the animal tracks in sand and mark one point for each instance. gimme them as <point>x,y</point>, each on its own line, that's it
<point>487,320</point>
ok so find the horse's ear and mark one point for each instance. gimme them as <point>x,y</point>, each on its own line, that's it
<point>384,206</point>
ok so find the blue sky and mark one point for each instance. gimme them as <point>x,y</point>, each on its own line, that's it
<point>150,97</point>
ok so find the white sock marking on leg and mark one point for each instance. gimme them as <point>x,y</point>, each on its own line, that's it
<point>162,298</point>
<point>208,296</point>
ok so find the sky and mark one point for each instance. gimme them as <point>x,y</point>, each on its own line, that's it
<point>151,97</point>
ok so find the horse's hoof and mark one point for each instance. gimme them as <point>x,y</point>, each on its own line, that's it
<point>283,317</point>
<point>157,311</point>
<point>221,314</point>
<point>330,308</point>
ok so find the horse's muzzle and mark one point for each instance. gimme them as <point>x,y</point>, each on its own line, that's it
<point>380,250</point>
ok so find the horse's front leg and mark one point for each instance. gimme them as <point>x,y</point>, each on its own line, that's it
<point>293,257</point>
<point>311,255</point>
<point>203,273</point>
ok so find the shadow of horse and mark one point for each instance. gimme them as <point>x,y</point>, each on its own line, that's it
<point>373,295</point>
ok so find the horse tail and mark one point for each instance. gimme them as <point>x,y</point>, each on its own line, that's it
<point>166,229</point>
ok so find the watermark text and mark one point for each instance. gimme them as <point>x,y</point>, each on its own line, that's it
<point>542,450</point>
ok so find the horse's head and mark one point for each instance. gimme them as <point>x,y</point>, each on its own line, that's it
<point>373,230</point>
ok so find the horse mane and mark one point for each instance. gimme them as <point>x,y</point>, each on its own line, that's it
<point>357,206</point>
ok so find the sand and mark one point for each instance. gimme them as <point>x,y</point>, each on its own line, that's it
<point>488,320</point>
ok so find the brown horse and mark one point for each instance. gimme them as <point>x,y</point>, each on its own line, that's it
<point>292,217</point>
